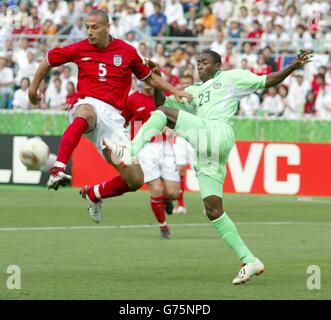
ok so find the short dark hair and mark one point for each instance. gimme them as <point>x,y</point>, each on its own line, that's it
<point>103,14</point>
<point>216,57</point>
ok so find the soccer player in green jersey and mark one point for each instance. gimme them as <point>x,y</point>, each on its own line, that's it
<point>206,124</point>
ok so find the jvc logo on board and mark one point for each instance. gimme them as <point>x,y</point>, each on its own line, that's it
<point>243,170</point>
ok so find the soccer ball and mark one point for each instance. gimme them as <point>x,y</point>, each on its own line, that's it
<point>34,153</point>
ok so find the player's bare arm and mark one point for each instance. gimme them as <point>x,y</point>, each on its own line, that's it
<point>276,78</point>
<point>158,83</point>
<point>41,72</point>
<point>159,97</point>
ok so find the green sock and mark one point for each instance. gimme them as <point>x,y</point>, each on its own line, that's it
<point>154,125</point>
<point>230,235</point>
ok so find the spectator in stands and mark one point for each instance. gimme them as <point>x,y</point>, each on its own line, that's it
<point>71,97</point>
<point>208,19</point>
<point>219,44</point>
<point>27,70</point>
<point>291,19</point>
<point>148,8</point>
<point>191,7</point>
<point>222,9</point>
<point>291,110</point>
<point>301,38</point>
<point>257,16</point>
<point>143,30</point>
<point>249,105</point>
<point>159,55</point>
<point>309,8</point>
<point>78,32</point>
<point>255,32</point>
<point>182,30</point>
<point>144,50</point>
<point>49,27</point>
<point>245,19</point>
<point>67,77</point>
<point>130,38</point>
<point>157,21</point>
<point>131,18</point>
<point>309,107</point>
<point>230,59</point>
<point>323,104</point>
<point>328,75</point>
<point>269,59</point>
<point>20,56</point>
<point>21,99</point>
<point>318,83</point>
<point>268,37</point>
<point>282,40</point>
<point>64,27</point>
<point>298,91</point>
<point>53,13</point>
<point>244,64</point>
<point>171,78</point>
<point>272,104</point>
<point>173,11</point>
<point>247,53</point>
<point>260,67</point>
<point>235,32</point>
<point>177,59</point>
<point>117,29</point>
<point>33,27</point>
<point>55,97</point>
<point>274,16</point>
<point>6,83</point>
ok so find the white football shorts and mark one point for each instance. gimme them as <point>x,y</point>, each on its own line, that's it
<point>157,160</point>
<point>110,123</point>
<point>184,152</point>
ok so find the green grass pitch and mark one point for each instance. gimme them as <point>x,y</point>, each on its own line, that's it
<point>63,255</point>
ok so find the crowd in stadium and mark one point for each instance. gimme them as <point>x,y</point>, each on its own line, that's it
<point>260,36</point>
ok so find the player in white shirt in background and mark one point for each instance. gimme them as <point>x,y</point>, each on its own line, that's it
<point>323,104</point>
<point>184,152</point>
<point>298,90</point>
<point>249,105</point>
<point>21,99</point>
<point>6,83</point>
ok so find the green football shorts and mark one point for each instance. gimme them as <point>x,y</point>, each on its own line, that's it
<point>212,141</point>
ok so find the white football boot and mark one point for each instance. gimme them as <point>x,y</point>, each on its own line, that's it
<point>249,270</point>
<point>94,208</point>
<point>57,178</point>
<point>120,154</point>
<point>179,210</point>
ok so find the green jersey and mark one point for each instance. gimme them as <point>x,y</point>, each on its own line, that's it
<point>218,98</point>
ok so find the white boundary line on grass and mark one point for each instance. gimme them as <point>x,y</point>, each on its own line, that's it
<point>141,226</point>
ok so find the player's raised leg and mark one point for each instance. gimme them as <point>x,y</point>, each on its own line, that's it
<point>158,120</point>
<point>130,179</point>
<point>84,120</point>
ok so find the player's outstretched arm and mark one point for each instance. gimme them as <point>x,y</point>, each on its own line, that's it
<point>275,78</point>
<point>158,83</point>
<point>41,72</point>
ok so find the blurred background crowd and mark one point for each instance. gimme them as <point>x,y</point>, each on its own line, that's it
<point>260,36</point>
